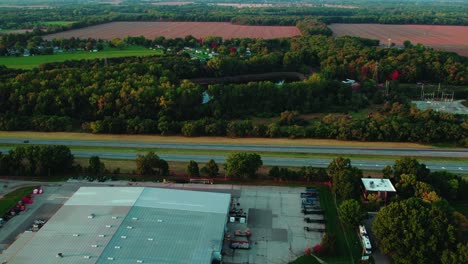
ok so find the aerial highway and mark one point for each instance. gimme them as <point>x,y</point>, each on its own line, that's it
<point>278,161</point>
<point>395,152</point>
<point>455,167</point>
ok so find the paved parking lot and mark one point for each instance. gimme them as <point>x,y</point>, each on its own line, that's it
<point>44,206</point>
<point>277,225</point>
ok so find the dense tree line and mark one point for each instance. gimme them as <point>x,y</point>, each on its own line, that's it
<point>150,94</point>
<point>91,13</point>
<point>151,164</point>
<point>306,173</point>
<point>37,161</point>
<point>356,58</point>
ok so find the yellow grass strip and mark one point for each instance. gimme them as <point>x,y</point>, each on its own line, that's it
<point>27,135</point>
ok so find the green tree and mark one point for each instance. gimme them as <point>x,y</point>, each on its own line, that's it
<point>151,164</point>
<point>346,183</point>
<point>410,166</point>
<point>243,165</point>
<point>192,169</point>
<point>409,186</point>
<point>338,164</point>
<point>387,172</point>
<point>274,172</point>
<point>413,231</point>
<point>460,255</point>
<point>350,213</point>
<point>117,43</point>
<point>210,169</point>
<point>96,167</point>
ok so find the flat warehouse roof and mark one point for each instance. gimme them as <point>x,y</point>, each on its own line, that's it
<point>129,225</point>
<point>378,185</point>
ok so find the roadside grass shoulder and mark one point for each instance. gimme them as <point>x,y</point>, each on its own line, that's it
<point>347,243</point>
<point>200,140</point>
<point>347,247</point>
<point>10,199</point>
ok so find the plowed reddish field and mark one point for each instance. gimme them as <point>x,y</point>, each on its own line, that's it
<point>177,29</point>
<point>451,38</point>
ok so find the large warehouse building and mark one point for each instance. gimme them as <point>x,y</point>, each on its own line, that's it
<point>128,225</point>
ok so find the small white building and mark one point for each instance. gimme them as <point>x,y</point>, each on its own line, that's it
<point>380,186</point>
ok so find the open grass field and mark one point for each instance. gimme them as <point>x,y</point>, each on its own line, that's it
<point>10,199</point>
<point>200,140</point>
<point>34,61</point>
<point>450,38</point>
<point>150,30</point>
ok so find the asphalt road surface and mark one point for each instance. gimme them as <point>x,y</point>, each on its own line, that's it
<point>278,161</point>
<point>415,152</point>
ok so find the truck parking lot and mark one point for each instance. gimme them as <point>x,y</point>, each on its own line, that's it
<point>274,219</point>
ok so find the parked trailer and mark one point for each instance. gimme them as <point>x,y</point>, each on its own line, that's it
<point>235,244</point>
<point>311,229</point>
<point>306,211</point>
<point>310,220</point>
<point>310,199</point>
<point>308,206</point>
<point>305,202</point>
<point>309,194</point>
<point>245,233</point>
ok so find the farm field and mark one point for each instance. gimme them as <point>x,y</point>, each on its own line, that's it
<point>151,30</point>
<point>450,38</point>
<point>34,61</point>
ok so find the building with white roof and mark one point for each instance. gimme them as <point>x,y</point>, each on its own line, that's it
<point>377,185</point>
<point>129,225</point>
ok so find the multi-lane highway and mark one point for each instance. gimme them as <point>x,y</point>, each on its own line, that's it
<point>367,164</point>
<point>414,152</point>
<point>278,161</point>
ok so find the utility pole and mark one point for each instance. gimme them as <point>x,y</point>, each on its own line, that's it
<point>376,72</point>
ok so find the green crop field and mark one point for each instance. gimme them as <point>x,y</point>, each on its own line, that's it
<point>34,61</point>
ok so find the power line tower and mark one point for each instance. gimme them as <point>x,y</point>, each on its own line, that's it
<point>427,96</point>
<point>375,75</point>
<point>447,97</point>
<point>387,87</point>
